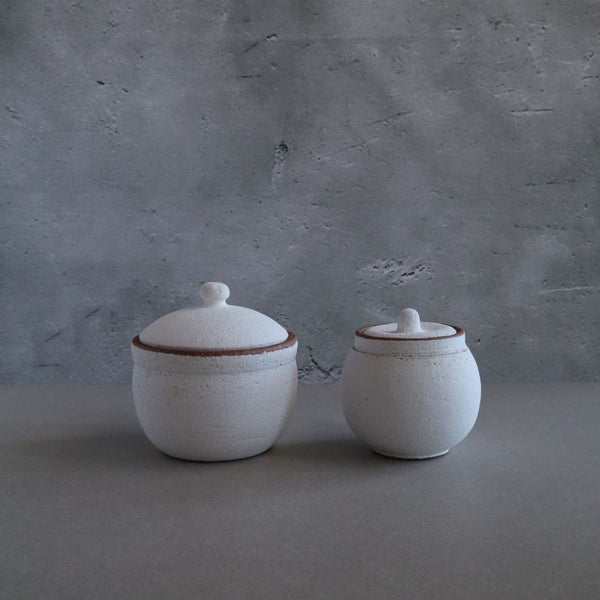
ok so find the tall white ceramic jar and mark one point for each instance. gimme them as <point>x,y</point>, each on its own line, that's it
<point>410,389</point>
<point>216,382</point>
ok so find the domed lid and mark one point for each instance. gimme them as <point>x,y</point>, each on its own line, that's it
<point>215,325</point>
<point>409,326</point>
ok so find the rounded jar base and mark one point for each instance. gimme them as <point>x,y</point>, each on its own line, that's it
<point>213,457</point>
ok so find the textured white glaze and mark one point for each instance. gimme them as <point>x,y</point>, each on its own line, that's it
<point>215,325</point>
<point>214,408</point>
<point>216,382</point>
<point>411,398</point>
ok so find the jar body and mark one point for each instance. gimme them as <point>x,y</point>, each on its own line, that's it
<point>411,405</point>
<point>214,408</point>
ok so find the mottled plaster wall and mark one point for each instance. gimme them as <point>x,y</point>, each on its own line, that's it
<point>331,161</point>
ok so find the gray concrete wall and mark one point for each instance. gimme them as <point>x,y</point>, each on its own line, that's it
<point>330,160</point>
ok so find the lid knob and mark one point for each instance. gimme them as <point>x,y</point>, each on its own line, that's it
<point>409,322</point>
<point>214,293</point>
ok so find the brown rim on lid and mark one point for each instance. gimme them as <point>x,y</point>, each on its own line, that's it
<point>290,341</point>
<point>361,332</point>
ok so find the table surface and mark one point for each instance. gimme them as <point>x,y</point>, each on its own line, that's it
<point>90,510</point>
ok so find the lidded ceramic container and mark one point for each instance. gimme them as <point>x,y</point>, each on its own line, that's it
<point>216,382</point>
<point>410,389</point>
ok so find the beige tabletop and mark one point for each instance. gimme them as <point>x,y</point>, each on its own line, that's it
<point>90,510</point>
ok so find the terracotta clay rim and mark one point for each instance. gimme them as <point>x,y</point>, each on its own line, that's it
<point>290,341</point>
<point>361,333</point>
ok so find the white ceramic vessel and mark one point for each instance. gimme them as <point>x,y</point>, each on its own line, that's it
<point>410,389</point>
<point>216,382</point>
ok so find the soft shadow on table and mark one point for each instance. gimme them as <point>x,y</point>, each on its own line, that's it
<point>338,452</point>
<point>125,447</point>
<point>94,449</point>
<point>348,452</point>
<point>132,448</point>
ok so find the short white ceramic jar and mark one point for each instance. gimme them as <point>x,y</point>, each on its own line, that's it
<point>214,383</point>
<point>410,389</point>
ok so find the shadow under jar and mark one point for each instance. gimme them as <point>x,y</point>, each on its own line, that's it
<point>410,389</point>
<point>216,382</point>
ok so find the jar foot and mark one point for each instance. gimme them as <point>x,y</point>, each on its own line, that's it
<point>389,455</point>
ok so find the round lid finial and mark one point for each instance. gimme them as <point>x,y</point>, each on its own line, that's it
<point>214,293</point>
<point>409,322</point>
<point>215,325</point>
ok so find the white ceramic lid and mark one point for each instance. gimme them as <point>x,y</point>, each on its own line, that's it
<point>410,326</point>
<point>215,325</point>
